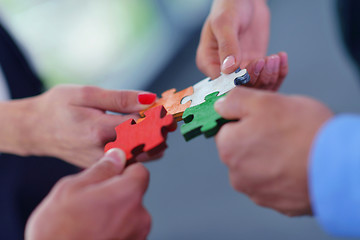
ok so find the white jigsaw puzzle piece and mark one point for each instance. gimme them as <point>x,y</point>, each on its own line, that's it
<point>222,84</point>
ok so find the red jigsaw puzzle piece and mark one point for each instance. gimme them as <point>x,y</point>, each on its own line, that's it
<point>147,136</point>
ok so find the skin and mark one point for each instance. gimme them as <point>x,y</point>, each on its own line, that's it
<point>239,29</point>
<point>267,151</point>
<point>69,122</point>
<point>102,202</point>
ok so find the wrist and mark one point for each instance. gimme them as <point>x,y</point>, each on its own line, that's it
<point>30,121</point>
<point>16,126</point>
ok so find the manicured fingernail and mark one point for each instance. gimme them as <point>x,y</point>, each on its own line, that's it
<point>115,155</point>
<point>270,64</point>
<point>228,62</point>
<point>259,66</point>
<point>146,98</point>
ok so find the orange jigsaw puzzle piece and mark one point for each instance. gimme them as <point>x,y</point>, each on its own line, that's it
<point>147,136</point>
<point>171,100</point>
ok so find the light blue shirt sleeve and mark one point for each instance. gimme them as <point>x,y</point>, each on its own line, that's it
<point>334,176</point>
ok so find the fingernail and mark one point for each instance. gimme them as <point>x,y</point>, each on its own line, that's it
<point>270,64</point>
<point>146,98</point>
<point>228,62</point>
<point>277,64</point>
<point>259,66</point>
<point>115,155</point>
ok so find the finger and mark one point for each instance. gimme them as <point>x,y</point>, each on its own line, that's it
<point>116,101</point>
<point>238,103</point>
<point>110,165</point>
<point>284,69</point>
<point>274,76</point>
<point>268,75</point>
<point>229,50</point>
<point>138,174</point>
<point>254,69</point>
<point>133,181</point>
<point>110,121</point>
<point>207,58</point>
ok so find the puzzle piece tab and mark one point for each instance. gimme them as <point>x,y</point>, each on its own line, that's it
<point>202,118</point>
<point>147,136</point>
<point>171,100</point>
<point>222,84</point>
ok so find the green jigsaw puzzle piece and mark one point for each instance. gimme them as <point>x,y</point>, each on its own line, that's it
<point>202,119</point>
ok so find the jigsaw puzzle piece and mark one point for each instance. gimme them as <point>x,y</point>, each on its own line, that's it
<point>147,136</point>
<point>171,100</point>
<point>222,84</point>
<point>202,119</point>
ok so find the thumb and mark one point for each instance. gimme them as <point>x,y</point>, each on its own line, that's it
<point>110,165</point>
<point>237,104</point>
<point>124,101</point>
<point>229,50</point>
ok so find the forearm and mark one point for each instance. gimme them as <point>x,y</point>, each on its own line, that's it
<point>16,118</point>
<point>334,173</point>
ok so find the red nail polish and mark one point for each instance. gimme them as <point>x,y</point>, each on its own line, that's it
<point>146,98</point>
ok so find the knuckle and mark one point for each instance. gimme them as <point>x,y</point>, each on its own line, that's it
<point>136,193</point>
<point>86,93</point>
<point>141,175</point>
<point>258,201</point>
<point>223,145</point>
<point>59,90</point>
<point>105,168</point>
<point>147,222</point>
<point>222,18</point>
<point>237,184</point>
<point>65,184</point>
<point>145,173</point>
<point>200,61</point>
<point>225,46</point>
<point>99,135</point>
<point>122,101</point>
<point>264,99</point>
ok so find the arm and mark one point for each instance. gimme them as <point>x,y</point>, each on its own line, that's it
<point>334,176</point>
<point>69,122</point>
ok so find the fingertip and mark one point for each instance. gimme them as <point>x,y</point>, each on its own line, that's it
<point>270,64</point>
<point>138,173</point>
<point>116,156</point>
<point>259,66</point>
<point>219,105</point>
<point>283,58</point>
<point>277,64</point>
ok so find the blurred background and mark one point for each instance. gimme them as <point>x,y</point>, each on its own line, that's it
<point>152,45</point>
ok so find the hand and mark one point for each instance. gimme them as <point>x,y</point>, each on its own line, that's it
<point>235,33</point>
<point>102,202</point>
<point>71,123</point>
<point>267,150</point>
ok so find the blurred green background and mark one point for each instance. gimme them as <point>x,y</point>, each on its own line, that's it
<point>101,42</point>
